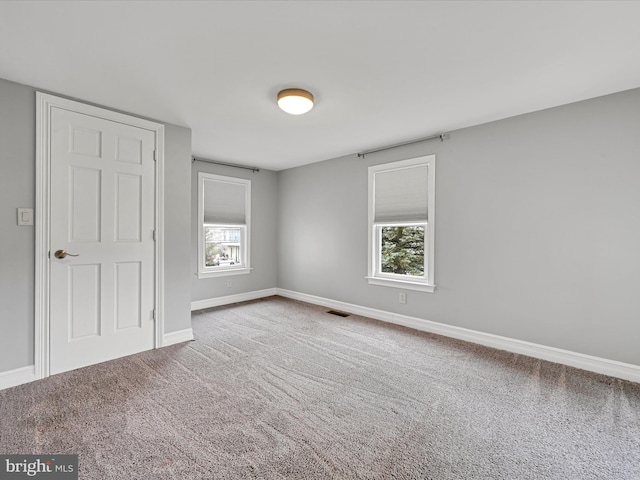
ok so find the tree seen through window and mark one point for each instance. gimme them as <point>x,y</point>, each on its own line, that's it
<point>402,250</point>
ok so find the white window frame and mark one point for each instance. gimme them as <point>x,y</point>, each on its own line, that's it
<point>375,276</point>
<point>244,267</point>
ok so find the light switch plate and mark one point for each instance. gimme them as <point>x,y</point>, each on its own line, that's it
<point>25,216</point>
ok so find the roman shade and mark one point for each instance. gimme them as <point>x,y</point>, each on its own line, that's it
<point>224,202</point>
<point>400,195</point>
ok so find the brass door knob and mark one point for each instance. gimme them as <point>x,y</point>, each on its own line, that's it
<point>61,254</point>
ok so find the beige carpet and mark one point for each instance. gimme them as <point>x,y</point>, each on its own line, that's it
<point>280,389</point>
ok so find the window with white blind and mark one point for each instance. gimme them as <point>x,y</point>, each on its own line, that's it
<point>401,224</point>
<point>224,211</point>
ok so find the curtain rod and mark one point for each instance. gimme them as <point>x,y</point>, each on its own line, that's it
<point>253,169</point>
<point>442,136</point>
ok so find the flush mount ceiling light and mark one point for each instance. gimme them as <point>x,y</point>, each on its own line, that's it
<point>295,101</point>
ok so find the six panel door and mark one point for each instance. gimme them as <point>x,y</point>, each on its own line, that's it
<point>103,212</point>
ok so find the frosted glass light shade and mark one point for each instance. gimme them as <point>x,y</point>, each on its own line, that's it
<point>295,101</point>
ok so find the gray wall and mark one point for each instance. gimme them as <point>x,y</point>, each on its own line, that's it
<point>177,228</point>
<point>264,195</point>
<point>17,244</point>
<point>537,230</point>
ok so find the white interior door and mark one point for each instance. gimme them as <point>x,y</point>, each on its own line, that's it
<point>102,210</point>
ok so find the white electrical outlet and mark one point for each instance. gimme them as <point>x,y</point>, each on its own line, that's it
<point>402,297</point>
<point>229,283</point>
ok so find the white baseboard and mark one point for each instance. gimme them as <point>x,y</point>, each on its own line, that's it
<point>604,366</point>
<point>13,378</point>
<point>229,299</point>
<point>180,336</point>
<point>18,376</point>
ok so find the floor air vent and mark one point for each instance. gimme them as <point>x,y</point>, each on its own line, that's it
<point>340,314</point>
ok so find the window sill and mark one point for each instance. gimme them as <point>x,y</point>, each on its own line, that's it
<point>407,285</point>
<point>224,273</point>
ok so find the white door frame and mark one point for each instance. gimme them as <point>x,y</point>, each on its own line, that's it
<point>44,105</point>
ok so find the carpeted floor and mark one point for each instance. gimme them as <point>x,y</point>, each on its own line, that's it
<point>277,389</point>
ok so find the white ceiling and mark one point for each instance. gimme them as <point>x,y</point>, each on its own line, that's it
<point>382,72</point>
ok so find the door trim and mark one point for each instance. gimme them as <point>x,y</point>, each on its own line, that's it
<point>44,105</point>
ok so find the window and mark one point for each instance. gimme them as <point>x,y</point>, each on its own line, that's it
<point>401,224</point>
<point>224,205</point>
